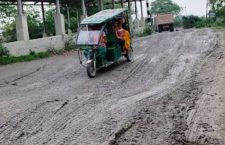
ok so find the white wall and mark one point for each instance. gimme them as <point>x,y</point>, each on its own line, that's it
<point>19,48</point>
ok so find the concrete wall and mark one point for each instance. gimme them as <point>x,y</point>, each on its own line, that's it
<point>19,48</point>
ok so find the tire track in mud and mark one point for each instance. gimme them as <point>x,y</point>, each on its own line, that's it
<point>143,125</point>
<point>33,120</point>
<point>135,103</point>
<point>13,82</point>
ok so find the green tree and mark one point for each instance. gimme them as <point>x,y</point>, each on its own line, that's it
<point>73,19</point>
<point>6,12</point>
<point>165,6</point>
<point>35,26</point>
<point>217,7</point>
<point>9,31</point>
<point>50,24</point>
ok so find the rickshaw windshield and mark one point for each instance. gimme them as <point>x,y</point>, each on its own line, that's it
<point>88,37</point>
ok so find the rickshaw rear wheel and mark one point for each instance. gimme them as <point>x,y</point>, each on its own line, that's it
<point>129,55</point>
<point>91,70</point>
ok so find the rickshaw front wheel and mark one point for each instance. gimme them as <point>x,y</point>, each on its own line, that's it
<point>91,70</point>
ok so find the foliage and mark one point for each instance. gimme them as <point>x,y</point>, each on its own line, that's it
<point>178,21</point>
<point>217,7</point>
<point>56,51</point>
<point>193,21</point>
<point>70,45</point>
<point>74,20</point>
<point>49,22</point>
<point>3,51</point>
<point>9,31</point>
<point>164,6</point>
<point>147,31</point>
<point>35,25</point>
<point>6,11</point>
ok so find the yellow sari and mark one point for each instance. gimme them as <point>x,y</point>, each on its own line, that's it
<point>127,40</point>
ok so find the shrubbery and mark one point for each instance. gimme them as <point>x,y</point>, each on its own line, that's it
<point>3,51</point>
<point>147,31</point>
<point>199,22</point>
<point>193,21</point>
<point>70,44</point>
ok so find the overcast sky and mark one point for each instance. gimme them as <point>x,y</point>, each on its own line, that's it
<point>195,7</point>
<point>190,7</point>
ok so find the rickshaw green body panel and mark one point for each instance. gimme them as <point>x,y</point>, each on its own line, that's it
<point>113,54</point>
<point>105,55</point>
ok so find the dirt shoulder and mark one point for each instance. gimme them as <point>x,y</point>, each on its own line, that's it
<point>206,121</point>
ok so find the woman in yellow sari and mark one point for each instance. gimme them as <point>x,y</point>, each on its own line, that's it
<point>127,40</point>
<point>124,37</point>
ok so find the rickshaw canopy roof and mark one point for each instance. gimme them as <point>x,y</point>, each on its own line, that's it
<point>103,16</point>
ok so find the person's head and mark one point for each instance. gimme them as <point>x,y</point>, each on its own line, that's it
<point>122,20</point>
<point>120,25</point>
<point>115,26</point>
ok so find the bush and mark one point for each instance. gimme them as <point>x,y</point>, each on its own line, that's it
<point>3,51</point>
<point>70,45</point>
<point>200,24</point>
<point>178,21</point>
<point>147,31</point>
<point>193,21</point>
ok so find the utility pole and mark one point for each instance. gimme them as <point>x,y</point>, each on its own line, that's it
<point>113,4</point>
<point>68,17</point>
<point>206,15</point>
<point>43,17</point>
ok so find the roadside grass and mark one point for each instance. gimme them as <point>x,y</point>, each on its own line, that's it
<point>15,59</point>
<point>8,59</point>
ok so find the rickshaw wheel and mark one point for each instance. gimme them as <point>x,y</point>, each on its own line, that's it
<point>91,70</point>
<point>129,55</point>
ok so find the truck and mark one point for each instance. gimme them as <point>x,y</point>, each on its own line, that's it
<point>164,22</point>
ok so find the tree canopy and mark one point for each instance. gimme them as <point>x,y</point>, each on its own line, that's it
<point>164,6</point>
<point>7,11</point>
<point>218,8</point>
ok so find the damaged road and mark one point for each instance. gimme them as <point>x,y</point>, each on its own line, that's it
<point>148,101</point>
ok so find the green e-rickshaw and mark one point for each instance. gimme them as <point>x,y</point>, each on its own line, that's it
<point>91,31</point>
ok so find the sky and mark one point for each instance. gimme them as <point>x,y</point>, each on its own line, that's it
<point>195,7</point>
<point>189,7</point>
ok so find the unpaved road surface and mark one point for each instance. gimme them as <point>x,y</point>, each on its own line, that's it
<point>145,102</point>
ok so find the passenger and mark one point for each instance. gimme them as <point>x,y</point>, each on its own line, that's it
<point>123,22</point>
<point>119,31</point>
<point>127,40</point>
<point>103,39</point>
<point>124,37</point>
<point>120,35</point>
